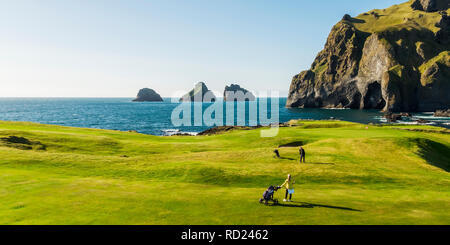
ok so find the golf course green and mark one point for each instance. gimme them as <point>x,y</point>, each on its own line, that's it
<point>354,174</point>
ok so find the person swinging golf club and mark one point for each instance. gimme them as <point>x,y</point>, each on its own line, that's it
<point>289,185</point>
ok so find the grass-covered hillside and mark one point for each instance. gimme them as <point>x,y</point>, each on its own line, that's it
<point>355,174</point>
<point>397,17</point>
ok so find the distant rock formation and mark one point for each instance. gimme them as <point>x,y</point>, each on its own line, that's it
<point>368,63</point>
<point>234,92</point>
<point>200,93</point>
<point>148,95</point>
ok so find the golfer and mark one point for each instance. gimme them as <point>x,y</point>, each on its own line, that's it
<point>289,185</point>
<point>302,154</point>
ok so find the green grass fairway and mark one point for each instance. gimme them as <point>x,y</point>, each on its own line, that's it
<point>355,174</point>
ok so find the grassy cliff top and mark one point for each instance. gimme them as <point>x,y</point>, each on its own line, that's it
<point>355,174</point>
<point>396,17</point>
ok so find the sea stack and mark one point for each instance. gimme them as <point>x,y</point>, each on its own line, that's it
<point>200,93</point>
<point>234,92</point>
<point>395,59</point>
<point>148,95</point>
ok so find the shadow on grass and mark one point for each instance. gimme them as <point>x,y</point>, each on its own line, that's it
<point>355,20</point>
<point>320,163</point>
<point>312,205</point>
<point>435,153</point>
<point>298,159</point>
<point>288,158</point>
<point>292,144</point>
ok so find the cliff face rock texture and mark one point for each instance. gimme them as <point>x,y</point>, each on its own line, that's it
<point>148,95</point>
<point>200,93</point>
<point>430,5</point>
<point>396,59</point>
<point>235,92</point>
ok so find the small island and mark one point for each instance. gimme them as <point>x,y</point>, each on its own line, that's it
<point>233,89</point>
<point>148,95</point>
<point>200,93</point>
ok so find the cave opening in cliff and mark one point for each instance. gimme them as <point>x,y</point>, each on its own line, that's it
<point>374,97</point>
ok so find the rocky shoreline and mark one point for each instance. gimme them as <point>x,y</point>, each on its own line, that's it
<point>391,119</point>
<point>442,113</point>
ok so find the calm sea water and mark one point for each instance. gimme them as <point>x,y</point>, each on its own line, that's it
<point>154,118</point>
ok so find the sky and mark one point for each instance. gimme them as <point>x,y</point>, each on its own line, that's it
<point>113,48</point>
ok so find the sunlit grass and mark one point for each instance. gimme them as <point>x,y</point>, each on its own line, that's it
<point>355,174</point>
<point>397,16</point>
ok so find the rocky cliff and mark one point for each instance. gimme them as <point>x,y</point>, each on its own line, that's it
<point>200,93</point>
<point>395,59</point>
<point>149,95</point>
<point>234,92</point>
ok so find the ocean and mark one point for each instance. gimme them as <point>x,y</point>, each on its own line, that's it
<point>155,118</point>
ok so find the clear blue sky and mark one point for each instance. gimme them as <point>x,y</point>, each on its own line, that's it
<point>112,48</point>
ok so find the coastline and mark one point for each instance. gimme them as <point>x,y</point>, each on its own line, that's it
<point>154,118</point>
